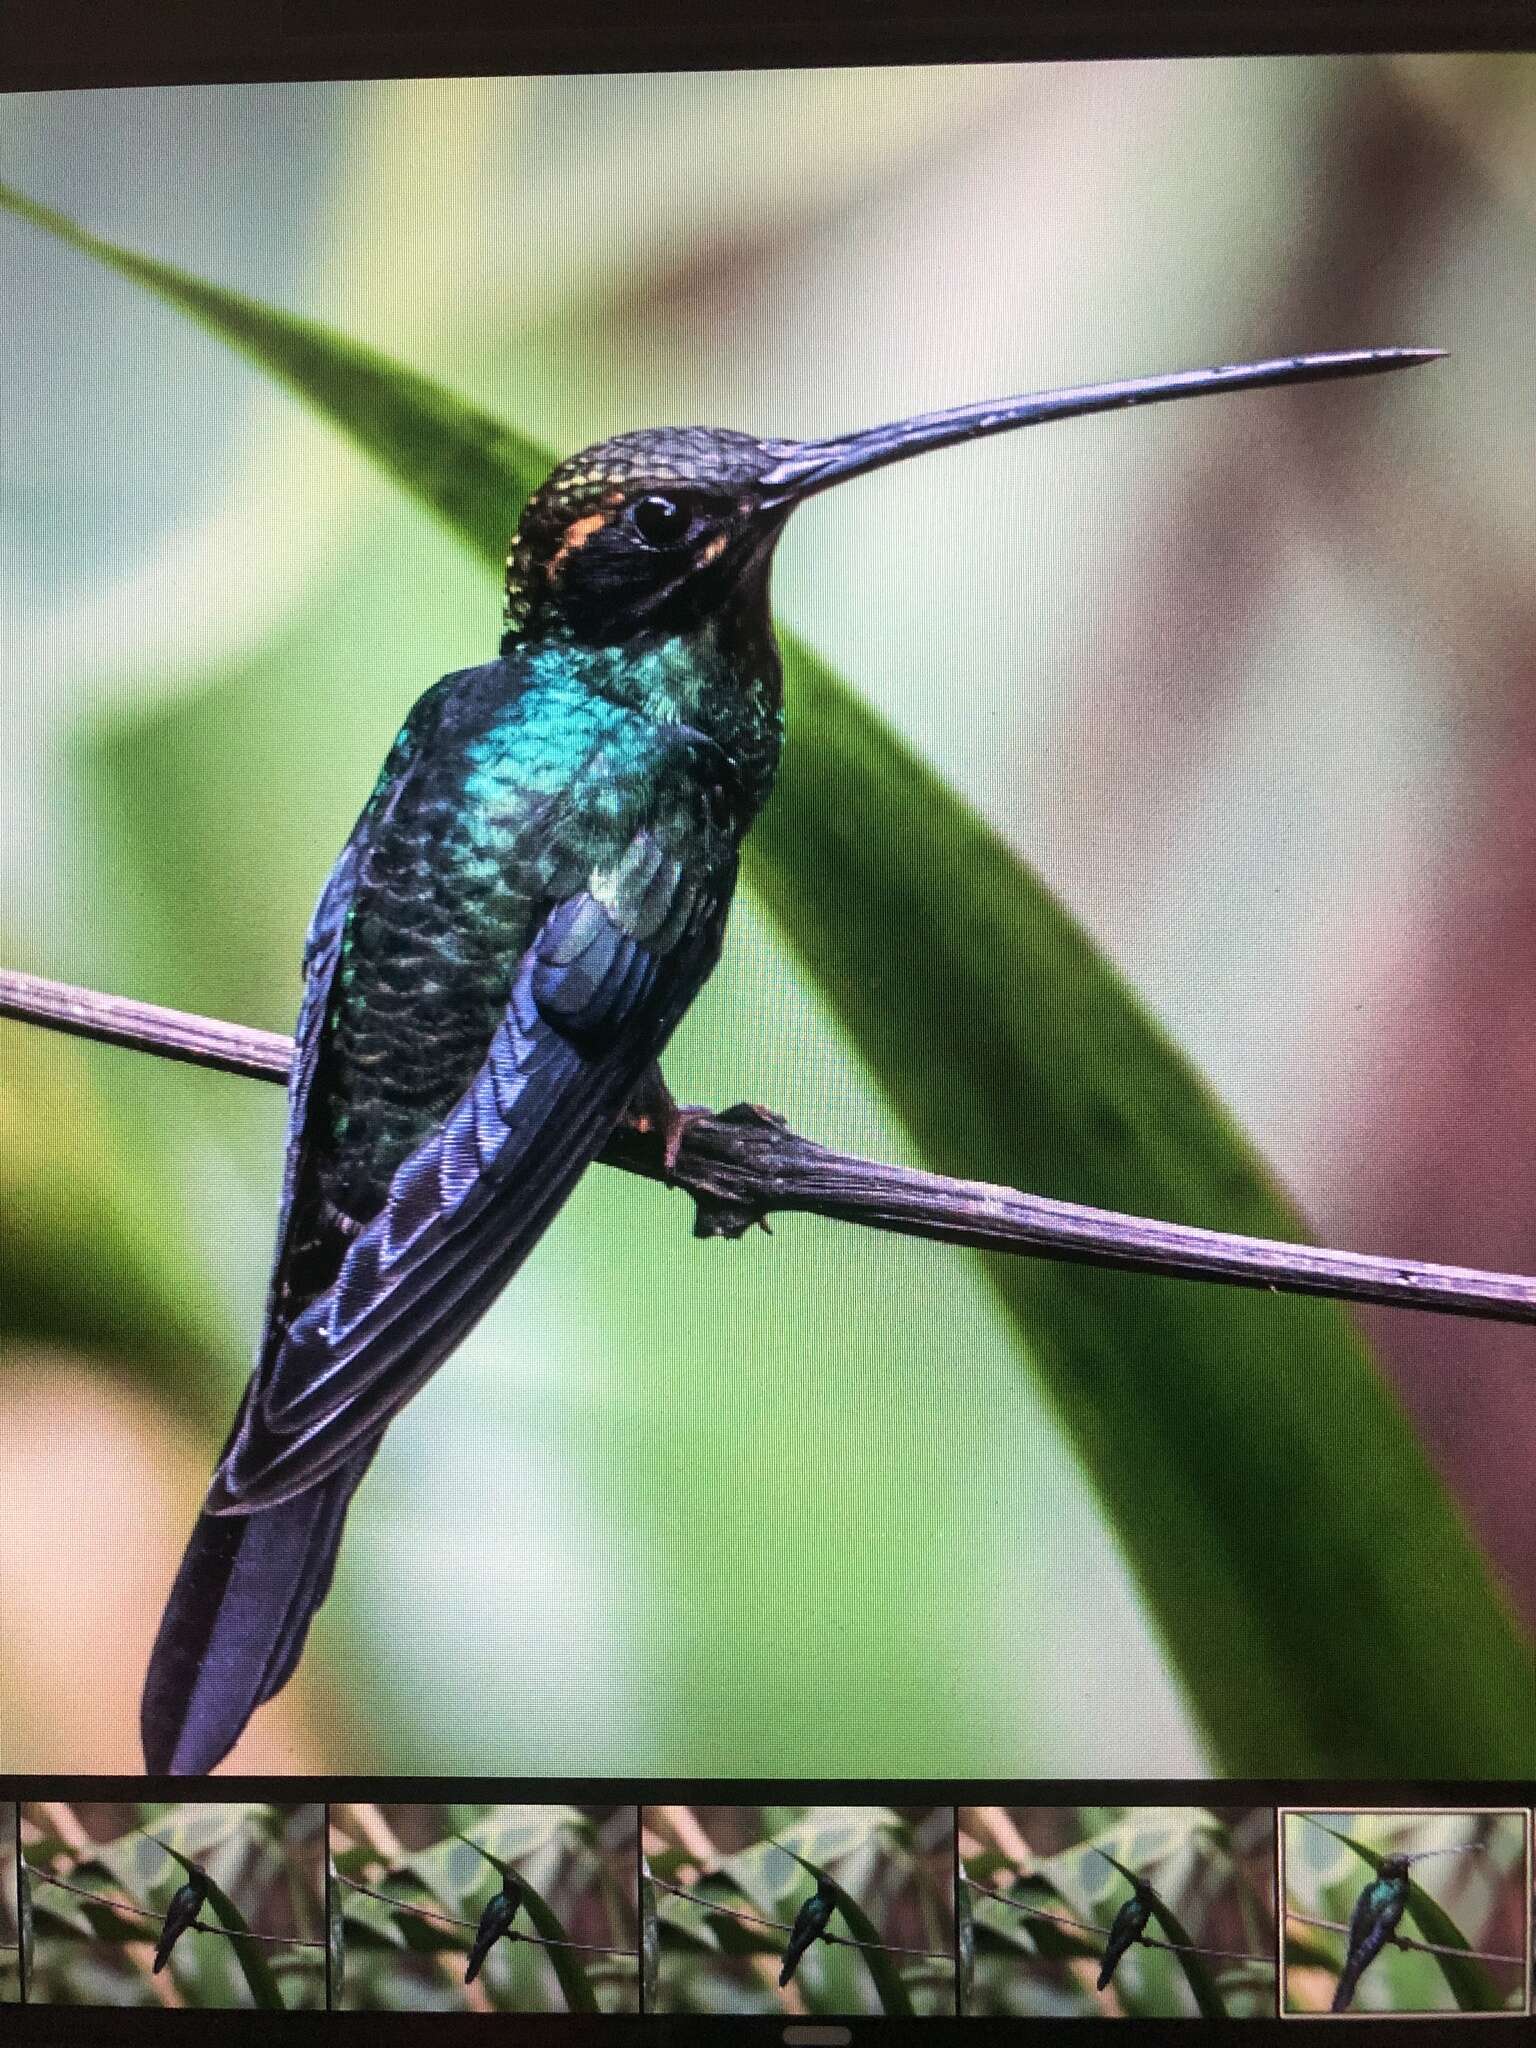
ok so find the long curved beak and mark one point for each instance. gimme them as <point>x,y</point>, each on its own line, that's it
<point>806,467</point>
<point>1455,1849</point>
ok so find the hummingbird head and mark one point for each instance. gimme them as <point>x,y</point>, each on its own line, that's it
<point>1395,1866</point>
<point>651,531</point>
<point>658,530</point>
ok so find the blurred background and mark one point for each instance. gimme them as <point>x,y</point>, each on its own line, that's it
<point>437,1867</point>
<point>724,1885</point>
<point>268,1861</point>
<point>1250,684</point>
<point>1485,1893</point>
<point>1033,1951</point>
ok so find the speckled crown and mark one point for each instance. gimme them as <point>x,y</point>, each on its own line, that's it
<point>599,479</point>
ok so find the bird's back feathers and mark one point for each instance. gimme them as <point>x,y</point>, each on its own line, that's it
<point>811,1921</point>
<point>186,1903</point>
<point>478,1144</point>
<point>495,1921</point>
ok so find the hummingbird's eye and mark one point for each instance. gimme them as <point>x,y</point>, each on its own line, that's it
<point>660,522</point>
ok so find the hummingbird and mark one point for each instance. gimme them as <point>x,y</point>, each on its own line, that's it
<point>810,1924</point>
<point>1128,1926</point>
<point>187,1901</point>
<point>495,1921</point>
<point>534,893</point>
<point>1374,1920</point>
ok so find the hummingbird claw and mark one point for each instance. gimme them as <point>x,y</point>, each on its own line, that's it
<point>654,1111</point>
<point>716,1218</point>
<point>754,1113</point>
<point>680,1119</point>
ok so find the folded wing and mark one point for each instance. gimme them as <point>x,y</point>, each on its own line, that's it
<point>590,1007</point>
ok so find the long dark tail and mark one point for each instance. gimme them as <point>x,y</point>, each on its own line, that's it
<point>792,1957</point>
<point>1344,1990</point>
<point>236,1621</point>
<point>1111,1962</point>
<point>484,1942</point>
<point>1354,1969</point>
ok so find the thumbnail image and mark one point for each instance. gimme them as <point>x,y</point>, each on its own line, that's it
<point>1392,1911</point>
<point>160,1903</point>
<point>478,1908</point>
<point>12,1959</point>
<point>798,1909</point>
<point>1102,1912</point>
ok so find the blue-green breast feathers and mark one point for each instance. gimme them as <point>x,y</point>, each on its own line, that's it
<point>534,894</point>
<point>526,909</point>
<point>1377,1911</point>
<point>1128,1925</point>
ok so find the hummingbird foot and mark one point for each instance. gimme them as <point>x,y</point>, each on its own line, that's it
<point>655,1114</point>
<point>754,1113</point>
<point>717,1217</point>
<point>654,1111</point>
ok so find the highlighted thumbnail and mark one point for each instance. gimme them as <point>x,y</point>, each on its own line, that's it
<point>1145,1912</point>
<point>1394,1911</point>
<point>478,1908</point>
<point>174,1904</point>
<point>798,1910</point>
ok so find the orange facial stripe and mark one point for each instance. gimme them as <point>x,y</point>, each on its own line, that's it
<point>577,534</point>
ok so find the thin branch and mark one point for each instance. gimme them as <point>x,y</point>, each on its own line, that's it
<point>1188,1948</point>
<point>888,1948</point>
<point>405,1905</point>
<point>148,1913</point>
<point>744,1165</point>
<point>450,1920</point>
<point>1428,1948</point>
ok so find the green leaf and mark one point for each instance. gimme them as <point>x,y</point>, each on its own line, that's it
<point>83,1262</point>
<point>889,1988</point>
<point>1201,1983</point>
<point>706,1917</point>
<point>336,1930</point>
<point>1021,1933</point>
<point>93,1920</point>
<point>499,1864</point>
<point>566,1962</point>
<point>568,1966</point>
<point>254,1967</point>
<point>1243,1444</point>
<point>1469,1983</point>
<point>1305,1950</point>
<point>965,1948</point>
<point>449,457</point>
<point>650,1944</point>
<point>383,1922</point>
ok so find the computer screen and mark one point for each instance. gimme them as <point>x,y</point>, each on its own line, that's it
<point>1053,1316</point>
